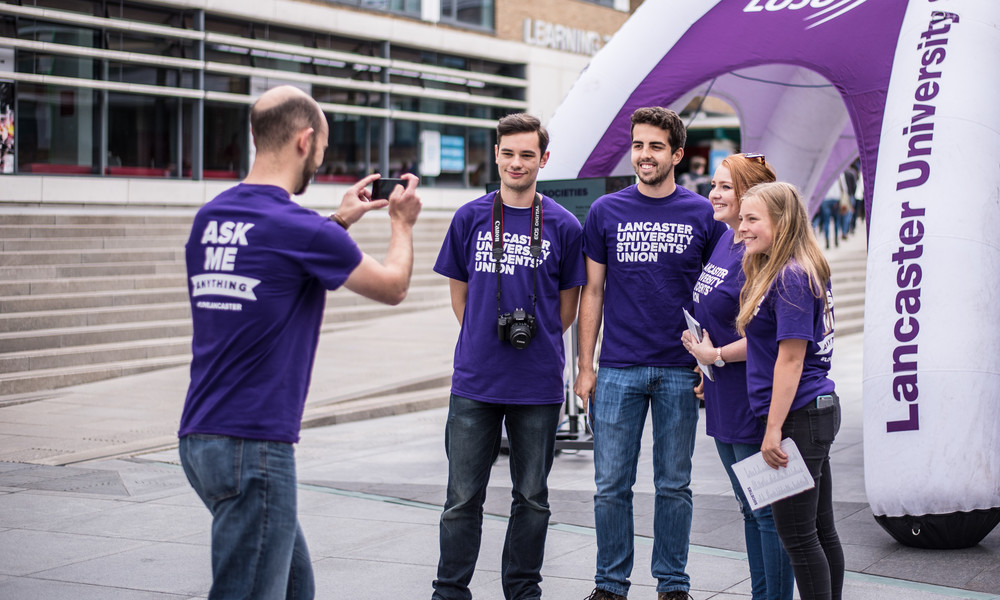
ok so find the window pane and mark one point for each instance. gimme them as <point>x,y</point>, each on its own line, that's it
<point>146,44</point>
<point>482,167</point>
<point>62,66</point>
<point>142,135</point>
<point>352,138</point>
<point>85,7</point>
<point>227,141</point>
<point>477,13</point>
<point>55,129</point>
<point>404,149</point>
<point>407,7</point>
<point>144,13</point>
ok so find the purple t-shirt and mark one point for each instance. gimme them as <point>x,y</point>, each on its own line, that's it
<point>654,249</point>
<point>790,311</point>
<point>728,417</point>
<point>258,269</point>
<point>487,369</point>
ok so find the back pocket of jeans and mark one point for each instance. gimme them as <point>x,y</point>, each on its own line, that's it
<point>824,423</point>
<point>217,461</point>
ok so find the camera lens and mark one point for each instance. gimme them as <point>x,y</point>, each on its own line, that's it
<point>520,335</point>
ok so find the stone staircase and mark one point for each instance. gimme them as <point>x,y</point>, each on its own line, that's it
<point>86,297</point>
<point>848,264</point>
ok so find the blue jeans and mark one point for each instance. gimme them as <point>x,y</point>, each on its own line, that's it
<point>771,574</point>
<point>805,521</point>
<point>845,222</point>
<point>258,550</point>
<point>472,443</point>
<point>618,413</point>
<point>829,212</point>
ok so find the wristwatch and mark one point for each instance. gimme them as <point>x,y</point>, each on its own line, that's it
<point>718,358</point>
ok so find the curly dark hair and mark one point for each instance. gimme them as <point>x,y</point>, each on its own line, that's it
<point>665,119</point>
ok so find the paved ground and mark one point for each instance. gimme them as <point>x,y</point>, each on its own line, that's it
<point>120,522</point>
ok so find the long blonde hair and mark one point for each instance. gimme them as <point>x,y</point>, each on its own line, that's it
<point>793,241</point>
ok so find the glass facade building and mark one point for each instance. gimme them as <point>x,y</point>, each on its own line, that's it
<point>137,89</point>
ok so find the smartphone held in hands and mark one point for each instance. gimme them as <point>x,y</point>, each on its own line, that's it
<point>382,187</point>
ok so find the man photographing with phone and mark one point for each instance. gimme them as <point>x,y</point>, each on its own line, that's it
<point>259,265</point>
<point>382,187</point>
<point>515,263</point>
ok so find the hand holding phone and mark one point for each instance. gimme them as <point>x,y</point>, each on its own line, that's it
<point>382,187</point>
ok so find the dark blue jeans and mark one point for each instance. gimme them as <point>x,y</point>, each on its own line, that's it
<point>258,550</point>
<point>770,570</point>
<point>829,212</point>
<point>805,521</point>
<point>472,443</point>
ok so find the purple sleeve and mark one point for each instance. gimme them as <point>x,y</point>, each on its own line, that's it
<point>715,233</point>
<point>332,255</point>
<point>573,271</point>
<point>594,245</point>
<point>451,259</point>
<point>794,307</point>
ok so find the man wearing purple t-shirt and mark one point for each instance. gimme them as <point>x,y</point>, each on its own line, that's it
<point>515,265</point>
<point>259,266</point>
<point>645,247</point>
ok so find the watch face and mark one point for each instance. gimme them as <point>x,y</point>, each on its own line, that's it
<point>719,362</point>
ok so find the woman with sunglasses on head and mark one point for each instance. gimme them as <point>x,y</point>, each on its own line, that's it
<point>786,313</point>
<point>737,432</point>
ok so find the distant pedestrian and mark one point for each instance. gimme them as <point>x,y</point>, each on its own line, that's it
<point>786,313</point>
<point>831,211</point>
<point>259,266</point>
<point>515,265</point>
<point>852,177</point>
<point>697,178</point>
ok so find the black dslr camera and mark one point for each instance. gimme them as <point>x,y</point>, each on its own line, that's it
<point>518,327</point>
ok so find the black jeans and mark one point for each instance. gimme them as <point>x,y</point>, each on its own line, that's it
<point>805,521</point>
<point>472,443</point>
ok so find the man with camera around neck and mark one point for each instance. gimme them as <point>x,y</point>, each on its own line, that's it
<point>515,263</point>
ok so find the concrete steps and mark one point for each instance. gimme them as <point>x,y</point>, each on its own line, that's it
<point>848,264</point>
<point>87,296</point>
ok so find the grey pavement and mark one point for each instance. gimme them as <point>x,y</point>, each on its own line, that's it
<point>93,503</point>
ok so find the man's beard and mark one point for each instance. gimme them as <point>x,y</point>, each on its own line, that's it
<point>308,170</point>
<point>656,177</point>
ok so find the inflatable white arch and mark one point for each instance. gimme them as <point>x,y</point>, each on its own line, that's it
<point>910,86</point>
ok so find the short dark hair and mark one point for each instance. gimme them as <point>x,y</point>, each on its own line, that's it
<point>523,123</point>
<point>665,119</point>
<point>274,127</point>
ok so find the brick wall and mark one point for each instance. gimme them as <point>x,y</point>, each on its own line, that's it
<point>575,14</point>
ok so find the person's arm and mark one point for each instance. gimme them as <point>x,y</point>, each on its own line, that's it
<point>591,313</point>
<point>356,202</point>
<point>569,300</point>
<point>389,280</point>
<point>459,296</point>
<point>787,372</point>
<point>705,351</point>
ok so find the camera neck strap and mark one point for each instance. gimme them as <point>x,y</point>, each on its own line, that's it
<point>536,242</point>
